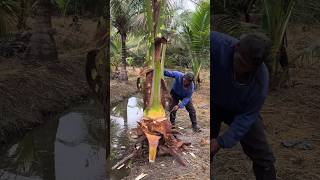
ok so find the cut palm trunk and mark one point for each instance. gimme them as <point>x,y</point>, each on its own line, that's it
<point>154,125</point>
<point>154,128</point>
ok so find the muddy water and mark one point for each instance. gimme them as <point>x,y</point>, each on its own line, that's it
<point>124,116</point>
<point>72,146</point>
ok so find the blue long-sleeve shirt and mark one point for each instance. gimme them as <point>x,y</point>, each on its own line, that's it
<point>178,88</point>
<point>245,100</point>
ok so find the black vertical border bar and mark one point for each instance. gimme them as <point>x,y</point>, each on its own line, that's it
<point>106,82</point>
<point>211,85</point>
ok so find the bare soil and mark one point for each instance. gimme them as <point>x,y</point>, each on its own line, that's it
<point>290,113</point>
<point>32,95</point>
<point>119,90</point>
<point>29,95</point>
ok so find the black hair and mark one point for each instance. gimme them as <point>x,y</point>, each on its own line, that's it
<point>256,47</point>
<point>189,76</point>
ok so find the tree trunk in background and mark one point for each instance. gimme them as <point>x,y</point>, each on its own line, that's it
<point>44,144</point>
<point>42,47</point>
<point>22,16</point>
<point>123,75</point>
<point>247,17</point>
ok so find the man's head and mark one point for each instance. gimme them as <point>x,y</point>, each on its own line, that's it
<point>250,52</point>
<point>188,79</point>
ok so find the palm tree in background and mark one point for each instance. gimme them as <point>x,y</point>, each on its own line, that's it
<point>196,33</point>
<point>274,18</point>
<point>8,9</point>
<point>123,15</point>
<point>42,45</point>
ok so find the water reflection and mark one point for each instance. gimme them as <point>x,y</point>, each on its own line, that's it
<point>124,116</point>
<point>70,147</point>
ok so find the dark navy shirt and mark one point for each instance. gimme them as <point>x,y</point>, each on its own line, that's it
<point>183,93</point>
<point>244,100</point>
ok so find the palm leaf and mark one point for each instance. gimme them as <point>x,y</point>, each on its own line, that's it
<point>8,9</point>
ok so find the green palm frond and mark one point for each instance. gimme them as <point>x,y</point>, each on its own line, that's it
<point>277,16</point>
<point>200,28</point>
<point>308,55</point>
<point>63,6</point>
<point>306,11</point>
<point>196,34</point>
<point>228,24</point>
<point>8,9</point>
<point>123,14</point>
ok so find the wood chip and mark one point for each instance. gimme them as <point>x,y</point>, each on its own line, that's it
<point>180,127</point>
<point>142,175</point>
<point>120,166</point>
<point>192,154</point>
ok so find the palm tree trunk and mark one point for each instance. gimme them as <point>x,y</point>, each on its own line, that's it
<point>247,17</point>
<point>44,144</point>
<point>123,75</point>
<point>22,16</point>
<point>42,45</point>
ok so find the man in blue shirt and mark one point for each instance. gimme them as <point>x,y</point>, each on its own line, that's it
<point>239,87</point>
<point>182,90</point>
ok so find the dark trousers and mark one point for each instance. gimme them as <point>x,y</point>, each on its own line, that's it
<point>254,143</point>
<point>189,108</point>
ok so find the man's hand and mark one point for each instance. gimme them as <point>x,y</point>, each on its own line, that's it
<point>175,108</point>
<point>214,146</point>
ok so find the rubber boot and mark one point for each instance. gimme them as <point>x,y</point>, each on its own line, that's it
<point>264,173</point>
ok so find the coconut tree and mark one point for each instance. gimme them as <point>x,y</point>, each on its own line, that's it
<point>133,45</point>
<point>123,13</point>
<point>42,45</point>
<point>226,15</point>
<point>277,17</point>
<point>196,33</point>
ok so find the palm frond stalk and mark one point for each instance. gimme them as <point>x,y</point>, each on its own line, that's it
<point>277,17</point>
<point>154,124</point>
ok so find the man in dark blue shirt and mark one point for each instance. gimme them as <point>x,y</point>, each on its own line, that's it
<point>239,87</point>
<point>182,90</point>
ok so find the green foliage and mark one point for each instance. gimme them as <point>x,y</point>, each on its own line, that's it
<point>8,9</point>
<point>63,6</point>
<point>123,15</point>
<point>230,17</point>
<point>115,49</point>
<point>277,16</point>
<point>196,34</point>
<point>306,11</point>
<point>227,15</point>
<point>86,7</point>
<point>135,49</point>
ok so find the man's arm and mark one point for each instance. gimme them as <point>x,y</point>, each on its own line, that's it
<point>187,99</point>
<point>219,44</point>
<point>172,74</point>
<point>241,124</point>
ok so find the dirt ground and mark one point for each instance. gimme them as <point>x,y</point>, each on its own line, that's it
<point>31,95</point>
<point>289,114</point>
<point>121,89</point>
<point>198,167</point>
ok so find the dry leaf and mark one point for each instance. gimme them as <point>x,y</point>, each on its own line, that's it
<point>142,175</point>
<point>192,154</point>
<point>120,166</point>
